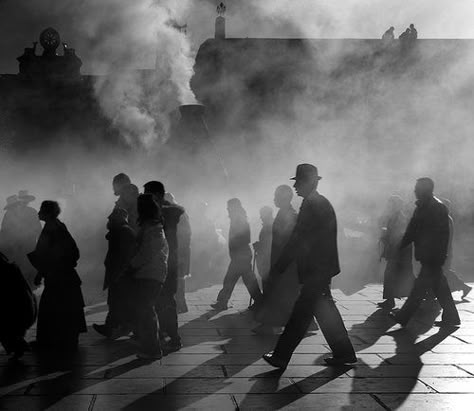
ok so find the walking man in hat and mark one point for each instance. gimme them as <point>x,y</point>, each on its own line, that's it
<point>313,244</point>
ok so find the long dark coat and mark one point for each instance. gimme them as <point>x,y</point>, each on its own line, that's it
<point>17,302</point>
<point>277,307</point>
<point>313,243</point>
<point>61,309</point>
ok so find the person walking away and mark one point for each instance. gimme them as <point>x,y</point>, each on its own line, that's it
<point>313,244</point>
<point>398,276</point>
<point>17,308</point>
<point>148,270</point>
<point>429,231</point>
<point>122,247</point>
<point>277,305</point>
<point>240,258</point>
<point>166,307</point>
<point>61,309</point>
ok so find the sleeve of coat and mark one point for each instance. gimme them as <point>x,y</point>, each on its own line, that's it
<point>409,235</point>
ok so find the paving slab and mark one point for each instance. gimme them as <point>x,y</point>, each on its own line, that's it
<point>220,365</point>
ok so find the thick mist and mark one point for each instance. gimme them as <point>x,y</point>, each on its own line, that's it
<point>375,137</point>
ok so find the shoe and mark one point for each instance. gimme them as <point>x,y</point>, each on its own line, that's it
<point>220,306</point>
<point>386,305</point>
<point>396,318</point>
<point>102,329</point>
<point>171,346</point>
<point>466,290</point>
<point>446,324</point>
<point>275,361</point>
<point>118,332</point>
<point>335,361</point>
<point>147,356</point>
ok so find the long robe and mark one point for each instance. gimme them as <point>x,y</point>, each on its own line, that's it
<point>278,305</point>
<point>61,310</point>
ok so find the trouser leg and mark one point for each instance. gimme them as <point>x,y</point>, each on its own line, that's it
<point>146,324</point>
<point>296,327</point>
<point>113,300</point>
<point>167,315</point>
<point>230,279</point>
<point>420,288</point>
<point>443,294</point>
<point>181,296</point>
<point>331,324</point>
<point>250,281</point>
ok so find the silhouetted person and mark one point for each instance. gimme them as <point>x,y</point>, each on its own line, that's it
<point>454,281</point>
<point>20,230</point>
<point>240,257</point>
<point>277,305</point>
<point>413,32</point>
<point>148,269</point>
<point>61,309</point>
<point>184,255</point>
<point>122,247</point>
<point>398,276</point>
<point>405,35</point>
<point>17,308</point>
<point>313,244</point>
<point>263,247</point>
<point>429,231</point>
<point>389,35</point>
<point>127,193</point>
<point>166,307</point>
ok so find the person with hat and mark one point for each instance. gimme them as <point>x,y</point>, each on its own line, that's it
<point>122,247</point>
<point>313,244</point>
<point>20,230</point>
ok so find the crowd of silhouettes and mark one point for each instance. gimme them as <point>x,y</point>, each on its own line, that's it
<point>149,257</point>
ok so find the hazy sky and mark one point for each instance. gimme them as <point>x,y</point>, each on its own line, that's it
<point>22,20</point>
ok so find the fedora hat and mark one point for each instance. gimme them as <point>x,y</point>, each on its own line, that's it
<point>24,196</point>
<point>306,172</point>
<point>11,201</point>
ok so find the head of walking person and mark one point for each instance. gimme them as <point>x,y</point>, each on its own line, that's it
<point>266,215</point>
<point>119,182</point>
<point>157,189</point>
<point>283,196</point>
<point>424,188</point>
<point>49,211</point>
<point>148,209</point>
<point>306,179</point>
<point>117,218</point>
<point>235,209</point>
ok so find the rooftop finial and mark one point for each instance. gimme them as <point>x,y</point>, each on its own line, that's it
<point>221,8</point>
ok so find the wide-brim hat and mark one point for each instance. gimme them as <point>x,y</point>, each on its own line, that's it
<point>12,201</point>
<point>306,172</point>
<point>24,196</point>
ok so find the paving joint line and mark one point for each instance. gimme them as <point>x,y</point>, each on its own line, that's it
<point>380,402</point>
<point>92,403</point>
<point>463,369</point>
<point>232,397</point>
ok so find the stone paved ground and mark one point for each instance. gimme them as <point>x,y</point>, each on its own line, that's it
<point>220,366</point>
